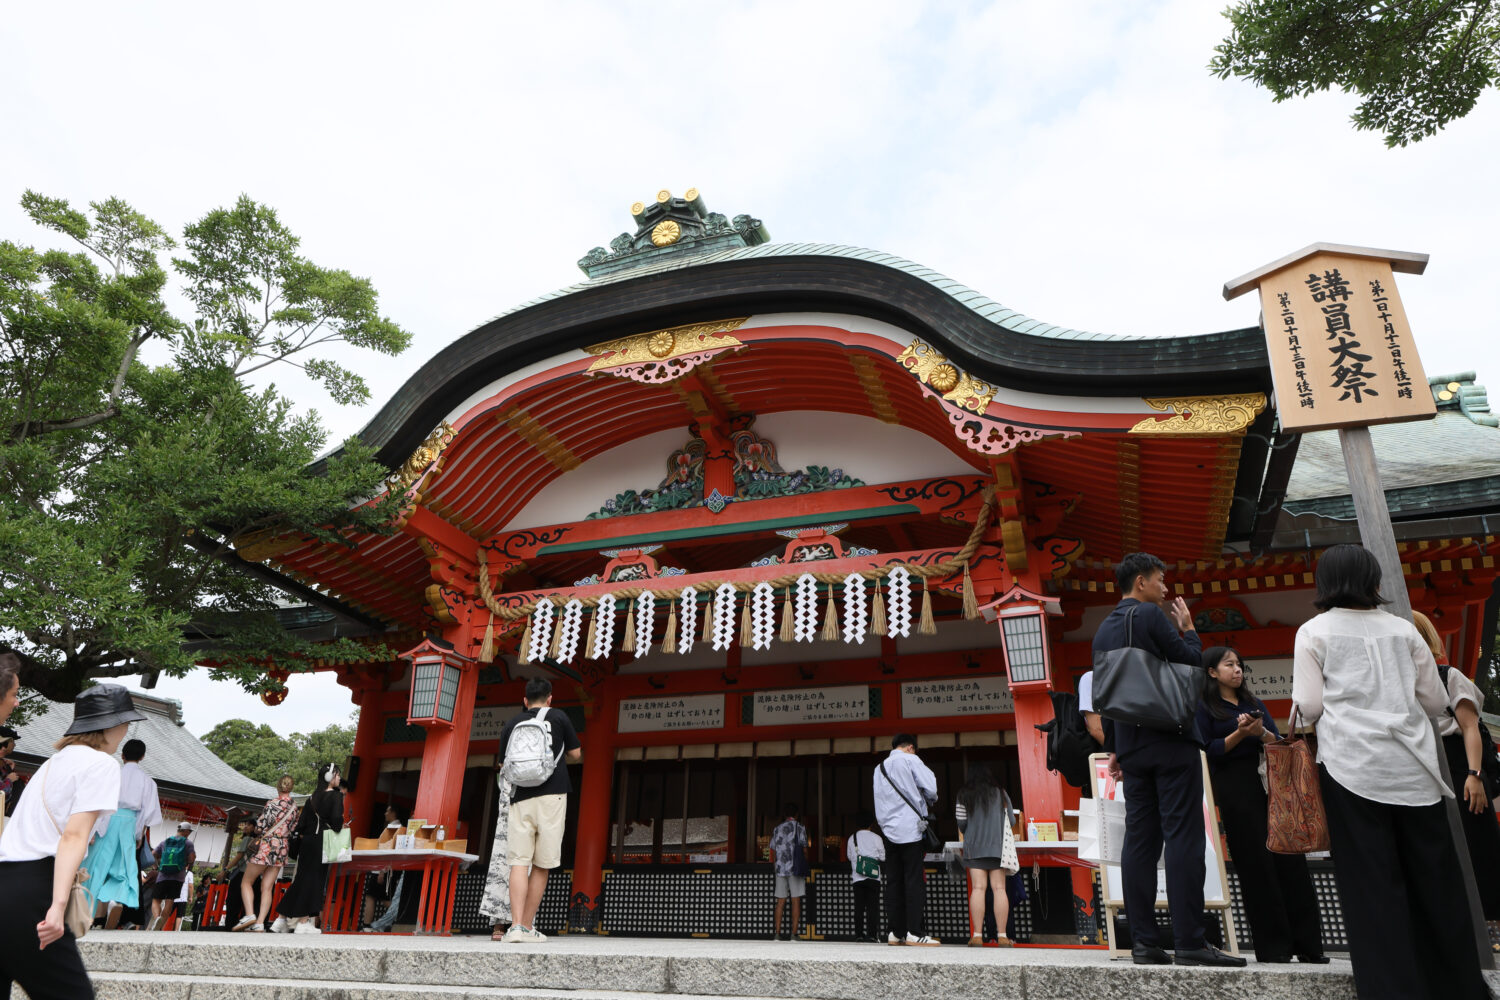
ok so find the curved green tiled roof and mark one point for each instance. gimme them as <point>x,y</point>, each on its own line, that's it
<point>976,301</point>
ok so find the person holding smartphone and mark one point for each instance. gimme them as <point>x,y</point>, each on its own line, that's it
<point>1278,892</point>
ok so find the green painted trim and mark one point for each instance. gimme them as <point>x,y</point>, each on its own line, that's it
<point>734,528</point>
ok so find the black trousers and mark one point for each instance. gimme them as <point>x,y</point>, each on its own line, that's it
<point>53,973</point>
<point>1278,891</point>
<point>1402,893</point>
<point>1164,802</point>
<point>1481,831</point>
<point>866,908</point>
<point>905,892</point>
<point>234,904</point>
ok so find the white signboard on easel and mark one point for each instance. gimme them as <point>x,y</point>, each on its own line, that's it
<point>1215,879</point>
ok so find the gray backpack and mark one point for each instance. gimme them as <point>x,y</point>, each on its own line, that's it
<point>528,757</point>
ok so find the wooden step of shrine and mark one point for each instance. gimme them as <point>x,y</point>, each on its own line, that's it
<point>216,966</point>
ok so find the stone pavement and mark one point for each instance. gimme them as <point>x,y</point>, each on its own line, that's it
<point>220,966</point>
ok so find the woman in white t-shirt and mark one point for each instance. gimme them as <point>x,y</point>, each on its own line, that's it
<point>45,841</point>
<point>1370,684</point>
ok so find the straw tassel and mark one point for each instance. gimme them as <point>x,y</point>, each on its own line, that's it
<point>588,643</point>
<point>745,636</point>
<point>878,624</point>
<point>830,619</point>
<point>787,633</point>
<point>556,648</point>
<point>971,605</point>
<point>523,654</point>
<point>927,625</point>
<point>487,648</point>
<point>708,619</point>
<point>628,645</point>
<point>669,641</point>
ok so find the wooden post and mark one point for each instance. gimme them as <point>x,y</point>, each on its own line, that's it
<point>1379,537</point>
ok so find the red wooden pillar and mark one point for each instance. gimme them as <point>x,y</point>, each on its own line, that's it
<point>594,800</point>
<point>1041,789</point>
<point>445,755</point>
<point>367,738</point>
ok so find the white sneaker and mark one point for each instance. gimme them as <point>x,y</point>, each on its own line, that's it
<point>307,927</point>
<point>512,934</point>
<point>278,926</point>
<point>925,941</point>
<point>532,935</point>
<point>244,923</point>
<point>891,938</point>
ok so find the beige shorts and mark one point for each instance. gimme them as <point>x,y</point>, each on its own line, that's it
<point>535,831</point>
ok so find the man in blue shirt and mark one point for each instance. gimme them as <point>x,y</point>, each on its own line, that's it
<point>1162,774</point>
<point>905,789</point>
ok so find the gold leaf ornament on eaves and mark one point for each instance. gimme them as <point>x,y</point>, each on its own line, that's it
<point>945,378</point>
<point>1191,415</point>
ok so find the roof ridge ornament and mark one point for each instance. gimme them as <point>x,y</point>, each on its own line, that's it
<point>670,224</point>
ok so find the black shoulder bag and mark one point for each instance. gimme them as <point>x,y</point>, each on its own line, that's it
<point>1135,686</point>
<point>929,835</point>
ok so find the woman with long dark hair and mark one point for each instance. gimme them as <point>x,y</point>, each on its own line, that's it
<point>989,849</point>
<point>324,810</point>
<point>1370,684</point>
<point>1278,892</point>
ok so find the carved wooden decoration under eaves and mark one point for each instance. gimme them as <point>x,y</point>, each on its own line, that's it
<point>946,378</point>
<point>427,452</point>
<point>1202,415</point>
<point>663,355</point>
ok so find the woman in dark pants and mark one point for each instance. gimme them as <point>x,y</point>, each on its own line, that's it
<point>45,841</point>
<point>1279,899</point>
<point>299,908</point>
<point>1463,745</point>
<point>1370,684</point>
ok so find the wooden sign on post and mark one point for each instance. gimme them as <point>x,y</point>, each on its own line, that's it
<point>1341,349</point>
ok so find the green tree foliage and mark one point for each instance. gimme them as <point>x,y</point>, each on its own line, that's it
<point>258,752</point>
<point>123,483</point>
<point>1416,64</point>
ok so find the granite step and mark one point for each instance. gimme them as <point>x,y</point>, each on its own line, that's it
<point>209,966</point>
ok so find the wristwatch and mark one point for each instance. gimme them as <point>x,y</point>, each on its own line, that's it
<point>1473,773</point>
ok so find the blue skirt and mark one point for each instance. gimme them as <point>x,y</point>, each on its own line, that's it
<point>114,872</point>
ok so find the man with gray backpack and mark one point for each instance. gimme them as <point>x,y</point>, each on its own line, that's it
<point>534,745</point>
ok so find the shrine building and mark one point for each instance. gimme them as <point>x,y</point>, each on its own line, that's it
<point>753,508</point>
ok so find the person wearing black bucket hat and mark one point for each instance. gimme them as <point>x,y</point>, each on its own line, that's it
<point>45,840</point>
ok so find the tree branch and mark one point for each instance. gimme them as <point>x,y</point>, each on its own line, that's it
<point>19,432</point>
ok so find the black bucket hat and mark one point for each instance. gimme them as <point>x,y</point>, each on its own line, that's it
<point>101,707</point>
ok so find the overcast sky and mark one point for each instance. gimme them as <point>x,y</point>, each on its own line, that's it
<point>1073,161</point>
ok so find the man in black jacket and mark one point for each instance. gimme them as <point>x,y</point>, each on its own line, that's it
<point>1162,774</point>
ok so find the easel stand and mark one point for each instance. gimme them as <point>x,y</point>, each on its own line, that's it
<point>1216,897</point>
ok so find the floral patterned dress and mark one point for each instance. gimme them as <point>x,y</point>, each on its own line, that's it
<point>275,826</point>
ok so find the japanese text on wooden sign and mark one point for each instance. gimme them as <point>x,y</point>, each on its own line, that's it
<point>957,696</point>
<point>808,705</point>
<point>654,715</point>
<point>1340,347</point>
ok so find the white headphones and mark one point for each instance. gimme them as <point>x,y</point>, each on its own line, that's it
<point>328,774</point>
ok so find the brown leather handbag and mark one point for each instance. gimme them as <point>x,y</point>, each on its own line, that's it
<point>1295,820</point>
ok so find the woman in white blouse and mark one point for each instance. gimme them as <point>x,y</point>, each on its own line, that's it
<point>45,841</point>
<point>1368,681</point>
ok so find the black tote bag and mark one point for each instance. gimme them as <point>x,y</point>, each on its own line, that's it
<point>1135,686</point>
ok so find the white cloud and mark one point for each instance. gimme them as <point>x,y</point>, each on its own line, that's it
<point>1075,161</point>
